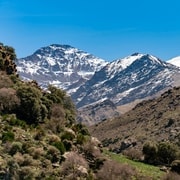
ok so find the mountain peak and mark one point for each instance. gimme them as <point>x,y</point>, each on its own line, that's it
<point>61,65</point>
<point>61,46</point>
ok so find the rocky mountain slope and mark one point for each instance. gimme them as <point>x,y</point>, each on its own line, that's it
<point>95,113</point>
<point>61,65</point>
<point>125,80</point>
<point>155,120</point>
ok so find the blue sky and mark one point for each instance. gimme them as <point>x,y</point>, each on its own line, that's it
<point>109,29</point>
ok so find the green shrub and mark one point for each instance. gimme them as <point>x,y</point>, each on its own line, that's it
<point>81,139</point>
<point>167,152</point>
<point>60,146</point>
<point>53,154</point>
<point>31,108</point>
<point>67,144</point>
<point>68,136</point>
<point>7,57</point>
<point>150,151</point>
<point>17,122</point>
<point>7,136</point>
<point>162,153</point>
<point>16,147</point>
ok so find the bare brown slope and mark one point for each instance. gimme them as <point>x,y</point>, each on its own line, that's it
<point>156,120</point>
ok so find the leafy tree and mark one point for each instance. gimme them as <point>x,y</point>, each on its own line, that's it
<point>167,152</point>
<point>31,107</point>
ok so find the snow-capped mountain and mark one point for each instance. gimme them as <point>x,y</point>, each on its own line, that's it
<point>125,80</point>
<point>61,65</point>
<point>175,61</point>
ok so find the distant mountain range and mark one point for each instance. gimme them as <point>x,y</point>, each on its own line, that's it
<point>91,80</point>
<point>125,80</point>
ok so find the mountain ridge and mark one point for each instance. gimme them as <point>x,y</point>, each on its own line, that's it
<point>60,65</point>
<point>142,76</point>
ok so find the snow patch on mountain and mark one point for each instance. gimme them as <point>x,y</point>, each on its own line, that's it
<point>175,61</point>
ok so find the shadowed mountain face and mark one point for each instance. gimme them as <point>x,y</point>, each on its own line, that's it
<point>152,120</point>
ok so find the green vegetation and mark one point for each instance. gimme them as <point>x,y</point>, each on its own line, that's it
<point>7,136</point>
<point>145,170</point>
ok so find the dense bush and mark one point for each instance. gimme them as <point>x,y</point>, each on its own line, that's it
<point>150,150</point>
<point>16,147</point>
<point>53,154</point>
<point>68,136</point>
<point>60,146</point>
<point>167,152</point>
<point>31,108</point>
<point>162,153</point>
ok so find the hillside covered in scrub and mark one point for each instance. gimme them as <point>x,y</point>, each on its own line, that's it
<point>155,120</point>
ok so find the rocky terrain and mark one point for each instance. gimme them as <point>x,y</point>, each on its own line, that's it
<point>155,120</point>
<point>98,112</point>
